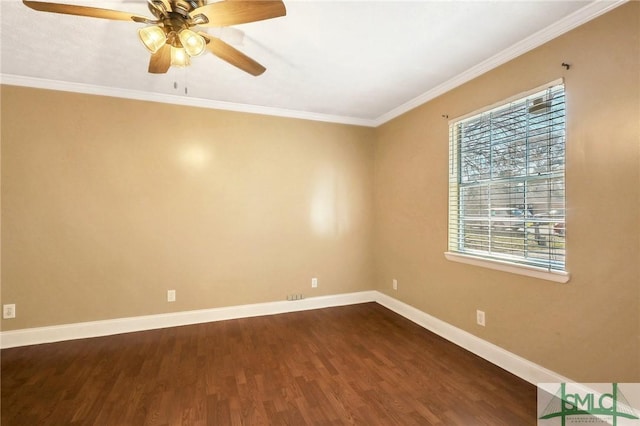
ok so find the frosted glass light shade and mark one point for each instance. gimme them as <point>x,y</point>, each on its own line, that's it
<point>193,43</point>
<point>179,57</point>
<point>153,38</point>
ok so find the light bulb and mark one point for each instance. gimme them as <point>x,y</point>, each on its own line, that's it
<point>179,57</point>
<point>153,38</point>
<point>193,43</point>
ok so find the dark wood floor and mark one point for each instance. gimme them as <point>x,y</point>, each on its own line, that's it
<point>359,364</point>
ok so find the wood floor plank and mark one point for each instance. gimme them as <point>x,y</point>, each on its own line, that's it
<point>351,365</point>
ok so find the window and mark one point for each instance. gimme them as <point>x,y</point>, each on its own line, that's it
<point>506,182</point>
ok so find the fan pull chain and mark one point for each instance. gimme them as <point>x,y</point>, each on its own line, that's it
<point>185,75</point>
<point>186,89</point>
<point>175,82</point>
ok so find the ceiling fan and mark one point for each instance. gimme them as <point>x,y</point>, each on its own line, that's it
<point>173,35</point>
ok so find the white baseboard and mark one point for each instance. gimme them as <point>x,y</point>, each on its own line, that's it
<point>523,368</point>
<point>83,330</point>
<point>515,364</point>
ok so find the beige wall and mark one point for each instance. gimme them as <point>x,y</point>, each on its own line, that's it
<point>588,329</point>
<point>108,203</point>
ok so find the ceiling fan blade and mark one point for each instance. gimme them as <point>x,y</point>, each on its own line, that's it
<point>160,61</point>
<point>93,12</point>
<point>224,13</point>
<point>232,55</point>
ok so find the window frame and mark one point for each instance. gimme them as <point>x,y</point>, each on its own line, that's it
<point>486,259</point>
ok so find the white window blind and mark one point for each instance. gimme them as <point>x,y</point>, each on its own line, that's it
<point>507,182</point>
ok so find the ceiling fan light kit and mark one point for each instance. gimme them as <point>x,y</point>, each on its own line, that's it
<point>170,38</point>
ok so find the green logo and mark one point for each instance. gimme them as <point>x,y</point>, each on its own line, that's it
<point>583,404</point>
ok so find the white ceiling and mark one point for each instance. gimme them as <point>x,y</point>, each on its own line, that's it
<point>357,62</point>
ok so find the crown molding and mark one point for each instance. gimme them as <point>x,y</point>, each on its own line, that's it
<point>586,14</point>
<point>65,86</point>
<point>582,16</point>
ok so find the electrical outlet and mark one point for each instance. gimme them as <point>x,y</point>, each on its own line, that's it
<point>171,295</point>
<point>395,284</point>
<point>314,282</point>
<point>9,311</point>
<point>295,297</point>
<point>480,317</point>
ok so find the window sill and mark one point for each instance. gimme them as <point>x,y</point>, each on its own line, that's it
<point>530,271</point>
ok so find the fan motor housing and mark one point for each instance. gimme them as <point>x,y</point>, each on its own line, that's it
<point>186,6</point>
<point>179,6</point>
